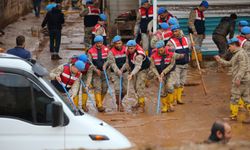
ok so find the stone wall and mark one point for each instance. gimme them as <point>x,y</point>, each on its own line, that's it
<point>10,10</point>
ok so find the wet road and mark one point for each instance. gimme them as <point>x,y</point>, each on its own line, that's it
<point>190,123</point>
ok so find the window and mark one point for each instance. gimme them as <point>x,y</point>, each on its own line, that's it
<point>23,99</point>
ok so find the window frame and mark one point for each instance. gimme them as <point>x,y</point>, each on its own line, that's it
<point>32,80</point>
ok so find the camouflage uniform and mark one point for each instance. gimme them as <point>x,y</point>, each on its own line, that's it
<point>198,39</point>
<point>240,71</point>
<point>116,77</point>
<point>91,15</point>
<point>74,88</point>
<point>139,76</point>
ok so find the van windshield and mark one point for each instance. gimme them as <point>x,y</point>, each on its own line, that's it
<point>66,100</point>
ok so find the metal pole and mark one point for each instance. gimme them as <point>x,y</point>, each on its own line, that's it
<point>159,99</point>
<point>155,16</point>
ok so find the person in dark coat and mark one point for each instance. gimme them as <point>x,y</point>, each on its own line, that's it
<point>225,27</point>
<point>37,7</point>
<point>54,19</point>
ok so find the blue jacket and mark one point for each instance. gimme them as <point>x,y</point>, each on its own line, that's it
<point>20,52</point>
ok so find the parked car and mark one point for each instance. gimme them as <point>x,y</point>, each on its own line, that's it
<point>34,116</point>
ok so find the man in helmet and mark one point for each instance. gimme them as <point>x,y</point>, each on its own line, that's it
<point>67,75</point>
<point>144,16</point>
<point>164,33</point>
<point>196,26</point>
<point>100,29</point>
<point>117,61</point>
<point>240,76</point>
<point>162,65</point>
<point>163,15</point>
<point>86,76</point>
<point>98,56</point>
<point>138,64</point>
<point>91,15</point>
<point>181,46</point>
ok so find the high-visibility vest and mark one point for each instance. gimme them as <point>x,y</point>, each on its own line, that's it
<point>132,57</point>
<point>120,56</point>
<point>199,22</point>
<point>91,19</point>
<point>161,20</point>
<point>67,78</point>
<point>99,61</point>
<point>158,58</point>
<point>146,17</point>
<point>242,40</point>
<point>99,29</point>
<point>181,47</point>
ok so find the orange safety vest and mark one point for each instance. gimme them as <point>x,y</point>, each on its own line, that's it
<point>67,78</point>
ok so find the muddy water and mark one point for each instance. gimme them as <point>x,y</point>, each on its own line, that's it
<point>189,124</point>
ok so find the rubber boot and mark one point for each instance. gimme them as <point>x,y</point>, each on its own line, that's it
<point>193,60</point>
<point>84,102</point>
<point>241,103</point>
<point>164,107</point>
<point>98,100</point>
<point>234,111</point>
<point>179,96</point>
<point>200,59</point>
<point>140,104</point>
<point>119,104</point>
<point>170,98</point>
<point>75,100</point>
<point>247,120</point>
<point>175,96</point>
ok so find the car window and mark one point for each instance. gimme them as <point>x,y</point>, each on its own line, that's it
<point>21,98</point>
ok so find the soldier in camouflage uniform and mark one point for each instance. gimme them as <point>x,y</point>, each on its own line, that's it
<point>117,61</point>
<point>240,76</point>
<point>90,12</point>
<point>196,26</point>
<point>98,56</point>
<point>181,46</point>
<point>163,65</point>
<point>138,64</point>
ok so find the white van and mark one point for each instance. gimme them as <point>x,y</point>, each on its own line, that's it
<point>34,116</point>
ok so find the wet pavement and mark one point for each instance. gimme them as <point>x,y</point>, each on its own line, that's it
<point>182,129</point>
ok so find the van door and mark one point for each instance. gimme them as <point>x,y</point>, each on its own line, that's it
<point>25,116</point>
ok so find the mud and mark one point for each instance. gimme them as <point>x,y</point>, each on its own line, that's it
<point>183,129</point>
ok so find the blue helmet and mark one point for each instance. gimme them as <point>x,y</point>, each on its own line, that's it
<point>116,38</point>
<point>164,25</point>
<point>245,30</point>
<point>144,1</point>
<point>160,44</point>
<point>103,17</point>
<point>83,58</point>
<point>175,27</point>
<point>162,10</point>
<point>89,2</point>
<point>131,43</point>
<point>243,23</point>
<point>80,65</point>
<point>173,21</point>
<point>204,3</point>
<point>98,38</point>
<point>232,40</point>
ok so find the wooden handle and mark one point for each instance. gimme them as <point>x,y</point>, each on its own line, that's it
<point>198,65</point>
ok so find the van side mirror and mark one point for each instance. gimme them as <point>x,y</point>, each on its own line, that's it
<point>57,114</point>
